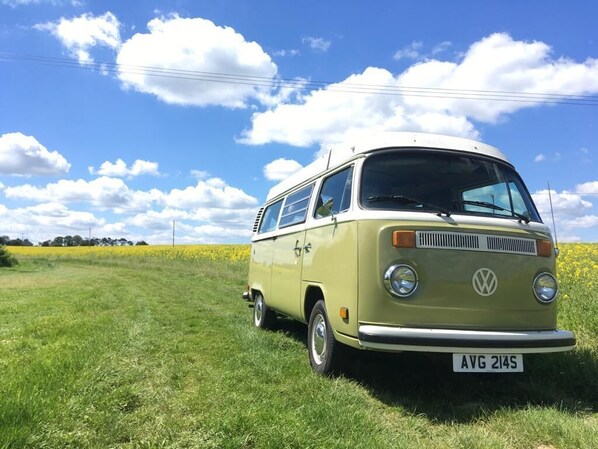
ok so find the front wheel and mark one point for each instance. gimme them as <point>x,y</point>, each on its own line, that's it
<point>263,316</point>
<point>324,351</point>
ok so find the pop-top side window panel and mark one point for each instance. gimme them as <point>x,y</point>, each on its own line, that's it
<point>335,194</point>
<point>295,207</point>
<point>270,218</point>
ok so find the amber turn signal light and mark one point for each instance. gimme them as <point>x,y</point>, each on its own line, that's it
<point>403,239</point>
<point>544,248</point>
<point>344,313</point>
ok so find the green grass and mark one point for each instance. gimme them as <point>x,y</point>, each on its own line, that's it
<point>119,353</point>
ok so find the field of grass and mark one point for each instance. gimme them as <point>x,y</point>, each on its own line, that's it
<point>153,347</point>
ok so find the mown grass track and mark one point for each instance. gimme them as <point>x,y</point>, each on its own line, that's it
<point>131,352</point>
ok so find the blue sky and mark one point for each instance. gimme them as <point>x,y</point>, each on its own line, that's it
<point>122,117</point>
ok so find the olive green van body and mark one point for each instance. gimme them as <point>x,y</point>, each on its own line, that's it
<point>342,259</point>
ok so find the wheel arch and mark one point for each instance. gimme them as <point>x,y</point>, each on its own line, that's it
<point>255,291</point>
<point>313,294</point>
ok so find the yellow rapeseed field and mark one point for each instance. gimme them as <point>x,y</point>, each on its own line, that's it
<point>187,253</point>
<point>577,264</point>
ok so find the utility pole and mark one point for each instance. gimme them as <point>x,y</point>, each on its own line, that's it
<point>173,227</point>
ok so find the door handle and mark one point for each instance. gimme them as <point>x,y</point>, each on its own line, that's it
<point>307,247</point>
<point>297,249</point>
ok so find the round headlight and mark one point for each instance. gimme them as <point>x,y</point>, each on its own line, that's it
<point>545,288</point>
<point>400,280</point>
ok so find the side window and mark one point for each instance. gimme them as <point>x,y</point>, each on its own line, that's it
<point>335,194</point>
<point>295,207</point>
<point>270,217</point>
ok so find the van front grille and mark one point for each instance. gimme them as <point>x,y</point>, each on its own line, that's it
<point>475,242</point>
<point>448,240</point>
<point>511,245</point>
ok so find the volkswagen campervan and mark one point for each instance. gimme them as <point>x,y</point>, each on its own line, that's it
<point>409,242</point>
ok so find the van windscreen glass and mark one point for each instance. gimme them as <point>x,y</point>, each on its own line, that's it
<point>444,182</point>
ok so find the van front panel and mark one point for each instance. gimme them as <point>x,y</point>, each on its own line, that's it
<point>330,264</point>
<point>447,295</point>
<point>286,273</point>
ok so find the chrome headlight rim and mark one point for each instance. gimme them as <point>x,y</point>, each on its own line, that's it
<point>535,289</point>
<point>388,280</point>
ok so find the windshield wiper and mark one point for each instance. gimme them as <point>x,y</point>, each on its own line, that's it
<point>495,207</point>
<point>407,200</point>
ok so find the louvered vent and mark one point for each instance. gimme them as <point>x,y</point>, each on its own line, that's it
<point>258,217</point>
<point>475,242</point>
<point>511,245</point>
<point>448,240</point>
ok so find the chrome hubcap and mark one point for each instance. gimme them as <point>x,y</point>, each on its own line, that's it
<point>318,339</point>
<point>258,310</point>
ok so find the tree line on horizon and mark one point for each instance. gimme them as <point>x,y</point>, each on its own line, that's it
<point>71,240</point>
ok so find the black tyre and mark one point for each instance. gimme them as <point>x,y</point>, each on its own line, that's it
<point>263,316</point>
<point>325,353</point>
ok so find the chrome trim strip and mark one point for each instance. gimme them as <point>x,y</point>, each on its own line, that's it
<point>464,341</point>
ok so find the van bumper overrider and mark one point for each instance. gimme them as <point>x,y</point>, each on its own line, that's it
<point>387,338</point>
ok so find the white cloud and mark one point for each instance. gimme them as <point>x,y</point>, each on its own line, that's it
<point>210,231</point>
<point>410,51</point>
<point>212,193</point>
<point>280,169</point>
<point>200,174</point>
<point>571,212</point>
<point>566,205</point>
<point>587,221</point>
<point>103,192</point>
<point>197,225</point>
<point>430,96</point>
<point>555,157</point>
<point>500,64</point>
<point>113,193</point>
<point>158,220</point>
<point>195,62</point>
<point>24,155</point>
<point>587,188</point>
<point>120,169</point>
<point>442,47</point>
<point>69,207</point>
<point>48,220</point>
<point>82,33</point>
<point>317,43</point>
<point>283,53</point>
<point>332,115</point>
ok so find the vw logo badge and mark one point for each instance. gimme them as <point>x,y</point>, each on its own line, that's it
<point>484,282</point>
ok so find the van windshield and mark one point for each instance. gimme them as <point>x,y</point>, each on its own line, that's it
<point>444,182</point>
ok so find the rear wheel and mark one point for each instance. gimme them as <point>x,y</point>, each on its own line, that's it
<point>324,351</point>
<point>263,316</point>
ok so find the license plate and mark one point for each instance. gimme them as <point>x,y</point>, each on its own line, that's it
<point>487,363</point>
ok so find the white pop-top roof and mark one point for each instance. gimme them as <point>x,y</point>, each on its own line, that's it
<point>340,154</point>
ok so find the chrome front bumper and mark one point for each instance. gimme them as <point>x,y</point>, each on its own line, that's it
<point>387,338</point>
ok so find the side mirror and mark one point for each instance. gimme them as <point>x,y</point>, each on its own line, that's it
<point>325,210</point>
